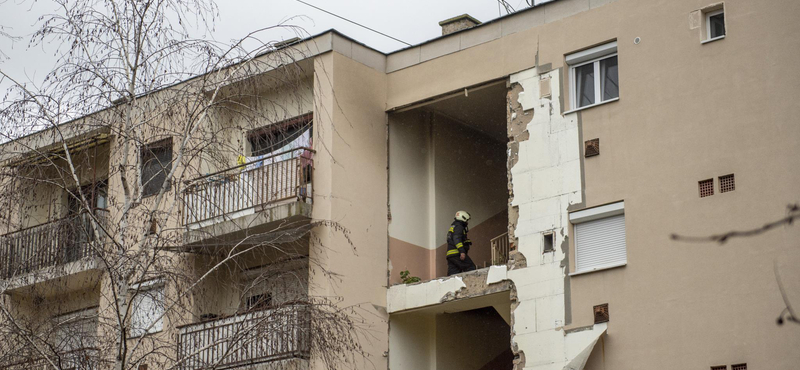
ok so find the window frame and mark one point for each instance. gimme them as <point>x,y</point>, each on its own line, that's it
<point>146,154</point>
<point>278,127</point>
<point>708,16</point>
<point>141,290</point>
<point>591,56</point>
<point>594,214</point>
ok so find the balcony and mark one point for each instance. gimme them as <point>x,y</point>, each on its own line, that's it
<point>501,249</point>
<point>78,359</point>
<point>273,334</point>
<point>57,243</point>
<point>272,189</point>
<point>70,343</point>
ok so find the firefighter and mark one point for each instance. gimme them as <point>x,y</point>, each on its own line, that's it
<point>458,245</point>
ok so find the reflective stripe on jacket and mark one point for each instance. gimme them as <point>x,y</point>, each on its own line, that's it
<point>457,241</point>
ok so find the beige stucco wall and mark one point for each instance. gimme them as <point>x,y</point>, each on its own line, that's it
<point>411,177</point>
<point>412,343</point>
<point>279,96</point>
<point>38,194</point>
<point>727,107</point>
<point>350,183</point>
<point>687,112</point>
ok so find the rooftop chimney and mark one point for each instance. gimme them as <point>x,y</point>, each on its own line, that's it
<point>458,23</point>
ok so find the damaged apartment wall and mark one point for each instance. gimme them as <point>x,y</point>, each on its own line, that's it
<point>440,166</point>
<point>544,180</point>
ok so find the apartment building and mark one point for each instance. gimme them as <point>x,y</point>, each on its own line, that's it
<point>280,238</point>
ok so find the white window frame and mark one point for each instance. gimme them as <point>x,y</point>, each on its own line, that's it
<point>708,16</point>
<point>592,214</point>
<point>143,290</point>
<point>590,56</point>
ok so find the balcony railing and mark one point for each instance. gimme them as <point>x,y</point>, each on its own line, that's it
<point>77,359</point>
<point>243,188</point>
<point>500,249</point>
<point>262,336</point>
<point>54,243</point>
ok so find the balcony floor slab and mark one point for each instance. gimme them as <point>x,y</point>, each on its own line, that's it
<point>70,276</point>
<point>239,227</point>
<point>478,283</point>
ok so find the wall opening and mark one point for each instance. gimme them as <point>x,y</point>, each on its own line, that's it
<point>445,156</point>
<point>549,242</point>
<point>468,334</point>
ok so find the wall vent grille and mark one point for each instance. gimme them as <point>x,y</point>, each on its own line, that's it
<point>706,188</point>
<point>739,367</point>
<point>720,367</point>
<point>591,148</point>
<point>727,183</point>
<point>601,313</point>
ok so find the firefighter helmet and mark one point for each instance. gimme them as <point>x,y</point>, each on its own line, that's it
<point>462,216</point>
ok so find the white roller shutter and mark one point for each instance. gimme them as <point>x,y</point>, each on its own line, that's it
<point>600,243</point>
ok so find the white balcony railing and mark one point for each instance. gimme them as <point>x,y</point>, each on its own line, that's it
<point>262,336</point>
<point>242,188</point>
<point>500,249</point>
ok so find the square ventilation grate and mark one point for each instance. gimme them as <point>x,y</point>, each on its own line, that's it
<point>592,148</point>
<point>601,313</point>
<point>739,367</point>
<point>720,367</point>
<point>727,183</point>
<point>706,188</point>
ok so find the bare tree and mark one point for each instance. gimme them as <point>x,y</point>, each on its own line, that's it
<point>113,168</point>
<point>505,5</point>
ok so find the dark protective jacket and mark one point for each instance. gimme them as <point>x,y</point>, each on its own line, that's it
<point>457,240</point>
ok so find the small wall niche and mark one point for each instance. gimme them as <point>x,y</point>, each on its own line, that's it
<point>549,242</point>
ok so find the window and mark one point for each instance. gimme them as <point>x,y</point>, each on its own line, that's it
<point>739,367</point>
<point>75,330</point>
<point>715,25</point>
<point>156,163</point>
<point>256,289</point>
<point>96,193</point>
<point>258,301</point>
<point>280,137</point>
<point>594,75</point>
<point>148,308</point>
<point>599,238</point>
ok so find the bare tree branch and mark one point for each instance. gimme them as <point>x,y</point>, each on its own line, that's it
<point>793,211</point>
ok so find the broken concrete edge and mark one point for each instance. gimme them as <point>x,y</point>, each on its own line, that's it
<point>403,297</point>
<point>496,274</point>
<point>486,281</point>
<point>518,119</point>
<point>517,131</point>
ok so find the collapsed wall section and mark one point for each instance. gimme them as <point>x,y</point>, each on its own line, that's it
<point>544,180</point>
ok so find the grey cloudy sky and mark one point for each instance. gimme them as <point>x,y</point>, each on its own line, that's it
<point>412,21</point>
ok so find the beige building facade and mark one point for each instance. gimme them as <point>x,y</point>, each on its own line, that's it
<point>580,135</point>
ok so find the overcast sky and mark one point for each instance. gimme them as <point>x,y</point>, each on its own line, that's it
<point>412,21</point>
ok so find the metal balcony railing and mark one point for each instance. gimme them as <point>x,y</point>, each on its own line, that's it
<point>77,359</point>
<point>54,243</point>
<point>268,335</point>
<point>500,249</point>
<point>222,194</point>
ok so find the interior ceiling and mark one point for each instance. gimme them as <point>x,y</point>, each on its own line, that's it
<point>483,109</point>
